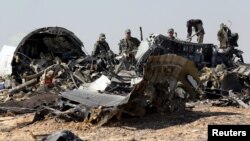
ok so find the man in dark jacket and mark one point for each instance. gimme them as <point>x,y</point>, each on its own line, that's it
<point>101,47</point>
<point>104,57</point>
<point>198,27</point>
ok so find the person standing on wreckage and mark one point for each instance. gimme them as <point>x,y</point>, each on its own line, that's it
<point>101,47</point>
<point>198,27</point>
<point>226,38</point>
<point>102,50</point>
<point>128,47</point>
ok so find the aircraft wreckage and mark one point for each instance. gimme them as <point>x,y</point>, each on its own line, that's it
<point>168,74</point>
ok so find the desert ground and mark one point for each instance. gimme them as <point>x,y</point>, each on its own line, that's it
<point>189,125</point>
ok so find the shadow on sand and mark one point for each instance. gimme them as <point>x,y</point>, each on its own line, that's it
<point>157,121</point>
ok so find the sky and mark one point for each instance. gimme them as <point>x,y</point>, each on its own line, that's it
<point>88,18</point>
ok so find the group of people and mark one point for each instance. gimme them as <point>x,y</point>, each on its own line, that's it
<point>226,38</point>
<point>128,45</point>
<point>195,24</point>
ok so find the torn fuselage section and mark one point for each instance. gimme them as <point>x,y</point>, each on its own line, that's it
<point>200,54</point>
<point>42,47</point>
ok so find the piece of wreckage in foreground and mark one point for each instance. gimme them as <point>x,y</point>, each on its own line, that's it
<point>158,88</point>
<point>168,81</point>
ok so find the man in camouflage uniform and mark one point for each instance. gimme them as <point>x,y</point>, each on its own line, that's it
<point>104,57</point>
<point>198,27</point>
<point>226,37</point>
<point>223,36</point>
<point>101,47</point>
<point>128,46</point>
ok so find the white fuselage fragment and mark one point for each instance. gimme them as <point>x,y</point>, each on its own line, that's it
<point>6,55</point>
<point>144,46</point>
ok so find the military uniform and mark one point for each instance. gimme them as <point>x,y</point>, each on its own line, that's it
<point>198,27</point>
<point>128,46</point>
<point>100,48</point>
<point>226,37</point>
<point>223,36</point>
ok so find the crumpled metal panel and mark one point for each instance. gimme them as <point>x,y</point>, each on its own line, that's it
<point>242,70</point>
<point>92,98</point>
<point>160,68</point>
<point>63,135</point>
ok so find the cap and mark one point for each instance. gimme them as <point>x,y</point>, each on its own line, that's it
<point>127,31</point>
<point>170,30</point>
<point>222,25</point>
<point>102,36</point>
